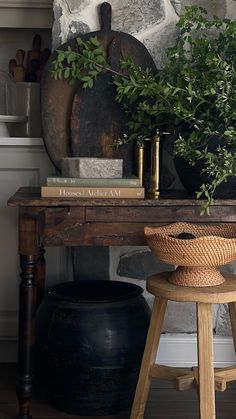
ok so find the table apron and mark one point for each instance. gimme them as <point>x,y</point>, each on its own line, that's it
<point>96,234</point>
<point>105,226</point>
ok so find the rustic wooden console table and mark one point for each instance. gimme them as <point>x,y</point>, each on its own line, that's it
<point>73,222</point>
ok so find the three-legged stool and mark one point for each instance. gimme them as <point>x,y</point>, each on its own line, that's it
<point>203,378</point>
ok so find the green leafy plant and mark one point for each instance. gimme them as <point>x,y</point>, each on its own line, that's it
<point>194,94</point>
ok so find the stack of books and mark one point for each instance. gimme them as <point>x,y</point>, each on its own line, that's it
<point>69,187</point>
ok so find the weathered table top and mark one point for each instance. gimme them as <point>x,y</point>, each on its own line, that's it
<point>31,196</point>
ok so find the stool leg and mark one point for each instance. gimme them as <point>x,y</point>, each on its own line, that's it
<point>205,361</point>
<point>149,355</point>
<point>232,313</point>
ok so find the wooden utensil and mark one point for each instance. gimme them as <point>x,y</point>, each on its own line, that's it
<point>19,70</point>
<point>33,60</point>
<point>11,66</point>
<point>34,53</point>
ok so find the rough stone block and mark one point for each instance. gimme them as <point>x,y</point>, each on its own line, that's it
<point>214,7</point>
<point>181,317</point>
<point>140,265</point>
<point>177,6</point>
<point>76,6</point>
<point>91,167</point>
<point>83,258</point>
<point>137,15</point>
<point>223,325</point>
<point>56,28</point>
<point>157,41</point>
<point>76,28</point>
<point>230,268</point>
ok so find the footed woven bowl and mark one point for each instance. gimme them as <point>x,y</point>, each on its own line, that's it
<point>197,249</point>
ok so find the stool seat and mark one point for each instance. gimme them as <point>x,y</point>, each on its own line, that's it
<point>218,294</point>
<point>203,377</point>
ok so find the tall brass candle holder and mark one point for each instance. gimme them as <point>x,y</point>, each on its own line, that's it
<point>139,158</point>
<point>154,191</point>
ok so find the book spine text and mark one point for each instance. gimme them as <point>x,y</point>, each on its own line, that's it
<point>96,183</point>
<point>73,192</point>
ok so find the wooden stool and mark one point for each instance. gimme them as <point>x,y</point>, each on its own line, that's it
<point>203,378</point>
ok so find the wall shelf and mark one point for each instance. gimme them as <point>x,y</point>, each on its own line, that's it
<point>26,14</point>
<point>21,141</point>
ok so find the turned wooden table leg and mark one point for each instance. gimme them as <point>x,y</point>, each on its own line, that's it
<point>40,275</point>
<point>26,339</point>
<point>205,361</point>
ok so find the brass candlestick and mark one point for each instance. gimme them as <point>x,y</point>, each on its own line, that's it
<point>139,156</point>
<point>154,191</point>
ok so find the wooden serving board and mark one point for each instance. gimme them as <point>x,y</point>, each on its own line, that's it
<point>79,122</point>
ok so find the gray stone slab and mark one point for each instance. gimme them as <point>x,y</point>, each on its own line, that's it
<point>132,16</point>
<point>140,265</point>
<point>84,265</point>
<point>180,318</point>
<point>223,325</point>
<point>77,6</point>
<point>91,167</point>
<point>77,28</point>
<point>159,40</point>
<point>214,7</point>
<point>56,28</point>
<point>177,6</point>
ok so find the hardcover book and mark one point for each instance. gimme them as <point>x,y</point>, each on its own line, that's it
<point>132,182</point>
<point>76,192</point>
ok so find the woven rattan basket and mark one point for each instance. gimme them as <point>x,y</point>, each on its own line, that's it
<point>197,249</point>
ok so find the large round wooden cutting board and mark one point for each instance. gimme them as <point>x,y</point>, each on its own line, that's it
<point>79,122</point>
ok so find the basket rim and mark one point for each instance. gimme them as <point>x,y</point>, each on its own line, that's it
<point>154,231</point>
<point>202,238</point>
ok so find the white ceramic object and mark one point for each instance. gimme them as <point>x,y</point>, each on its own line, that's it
<point>4,130</point>
<point>6,120</point>
<point>28,103</point>
<point>12,118</point>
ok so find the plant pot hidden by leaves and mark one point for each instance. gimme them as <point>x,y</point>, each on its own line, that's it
<point>192,178</point>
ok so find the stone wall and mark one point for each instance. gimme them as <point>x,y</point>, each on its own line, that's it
<point>153,22</point>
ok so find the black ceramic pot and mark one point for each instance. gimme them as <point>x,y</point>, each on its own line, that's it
<point>89,344</point>
<point>192,178</point>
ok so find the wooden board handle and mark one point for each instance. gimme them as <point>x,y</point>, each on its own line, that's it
<point>105,16</point>
<point>114,53</point>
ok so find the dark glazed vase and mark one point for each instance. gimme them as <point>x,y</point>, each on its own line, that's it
<point>192,179</point>
<point>89,344</point>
